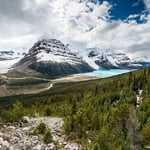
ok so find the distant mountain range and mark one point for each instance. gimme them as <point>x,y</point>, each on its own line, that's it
<point>111,60</point>
<point>51,58</point>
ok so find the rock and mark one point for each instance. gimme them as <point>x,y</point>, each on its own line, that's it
<point>35,138</point>
<point>65,143</point>
<point>51,146</point>
<point>72,146</point>
<point>5,126</point>
<point>38,147</point>
<point>1,140</point>
<point>18,136</point>
<point>1,134</point>
<point>4,143</point>
<point>11,128</point>
<point>6,137</point>
<point>26,129</point>
<point>11,148</point>
<point>25,119</point>
<point>8,124</point>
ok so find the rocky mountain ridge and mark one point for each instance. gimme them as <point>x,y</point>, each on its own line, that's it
<point>53,59</point>
<point>99,59</point>
<point>51,51</point>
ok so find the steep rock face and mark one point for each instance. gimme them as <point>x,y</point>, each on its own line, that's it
<point>53,59</point>
<point>111,60</point>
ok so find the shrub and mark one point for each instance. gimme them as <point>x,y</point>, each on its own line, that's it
<point>48,111</point>
<point>146,133</point>
<point>47,138</point>
<point>14,114</point>
<point>41,128</point>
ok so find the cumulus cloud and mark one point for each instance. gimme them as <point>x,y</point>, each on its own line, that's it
<point>80,23</point>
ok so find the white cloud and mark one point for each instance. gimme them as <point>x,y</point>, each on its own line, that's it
<point>133,16</point>
<point>69,21</point>
<point>17,43</point>
<point>147,3</point>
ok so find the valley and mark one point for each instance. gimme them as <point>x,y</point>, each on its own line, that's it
<point>92,112</point>
<point>33,85</point>
<point>90,101</point>
<point>10,86</point>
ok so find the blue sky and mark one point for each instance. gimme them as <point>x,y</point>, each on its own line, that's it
<point>118,25</point>
<point>122,9</point>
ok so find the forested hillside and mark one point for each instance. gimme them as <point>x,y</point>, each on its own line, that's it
<point>104,114</point>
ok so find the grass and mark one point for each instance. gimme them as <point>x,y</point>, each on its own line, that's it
<point>23,86</point>
<point>24,82</point>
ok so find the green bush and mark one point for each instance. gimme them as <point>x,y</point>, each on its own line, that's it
<point>48,111</point>
<point>41,128</point>
<point>146,133</point>
<point>47,138</point>
<point>44,132</point>
<point>96,146</point>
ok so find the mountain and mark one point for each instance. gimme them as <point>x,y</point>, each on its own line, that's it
<point>109,59</point>
<point>51,58</point>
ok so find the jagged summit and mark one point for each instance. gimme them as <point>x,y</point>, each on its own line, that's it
<point>51,50</point>
<point>47,44</point>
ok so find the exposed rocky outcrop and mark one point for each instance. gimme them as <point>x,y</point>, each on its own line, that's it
<point>17,137</point>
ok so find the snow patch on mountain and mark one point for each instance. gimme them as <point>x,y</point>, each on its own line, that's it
<point>43,56</point>
<point>53,50</point>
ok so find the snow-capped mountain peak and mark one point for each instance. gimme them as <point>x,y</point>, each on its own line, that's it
<point>52,50</point>
<point>52,58</point>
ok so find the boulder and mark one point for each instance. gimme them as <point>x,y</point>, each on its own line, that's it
<point>25,119</point>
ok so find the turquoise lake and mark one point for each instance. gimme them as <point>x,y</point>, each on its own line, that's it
<point>107,72</point>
